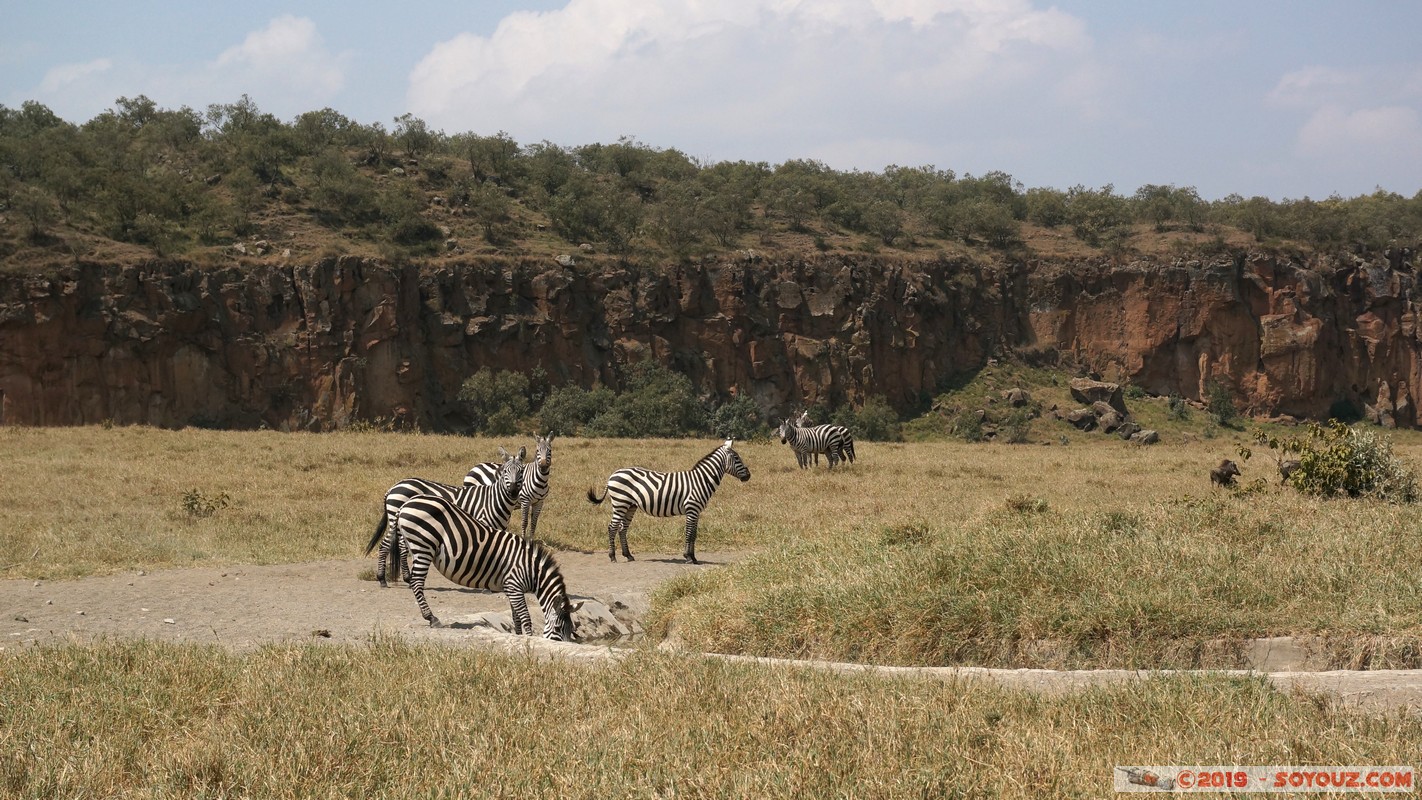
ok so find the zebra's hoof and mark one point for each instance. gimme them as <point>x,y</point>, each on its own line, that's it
<point>383,584</point>
<point>435,623</point>
<point>612,557</point>
<point>628,556</point>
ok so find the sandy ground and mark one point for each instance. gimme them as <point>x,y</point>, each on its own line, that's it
<point>325,601</point>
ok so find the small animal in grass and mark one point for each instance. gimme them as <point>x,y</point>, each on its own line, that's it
<point>1225,473</point>
<point>1287,468</point>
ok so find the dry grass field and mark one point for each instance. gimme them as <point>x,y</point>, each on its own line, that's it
<point>1096,553</point>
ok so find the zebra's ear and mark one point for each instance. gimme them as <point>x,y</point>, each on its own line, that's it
<point>522,451</point>
<point>572,609</point>
<point>503,453</point>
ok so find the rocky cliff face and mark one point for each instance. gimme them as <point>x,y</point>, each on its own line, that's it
<point>318,346</point>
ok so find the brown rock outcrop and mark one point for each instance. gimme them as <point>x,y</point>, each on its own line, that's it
<point>319,345</point>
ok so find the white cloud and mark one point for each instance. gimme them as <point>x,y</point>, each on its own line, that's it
<point>284,67</point>
<point>289,51</point>
<point>65,75</point>
<point>1314,86</point>
<point>758,78</point>
<point>1363,119</point>
<point>1334,132</point>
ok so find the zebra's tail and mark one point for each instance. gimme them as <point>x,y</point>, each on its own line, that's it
<point>379,532</point>
<point>593,498</point>
<point>849,448</point>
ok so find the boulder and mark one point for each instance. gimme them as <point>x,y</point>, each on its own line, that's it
<point>1083,419</point>
<point>1127,430</point>
<point>1110,421</point>
<point>1089,392</point>
<point>1017,397</point>
<point>1145,437</point>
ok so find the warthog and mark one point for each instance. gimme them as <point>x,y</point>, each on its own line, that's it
<point>1287,468</point>
<point>1223,475</point>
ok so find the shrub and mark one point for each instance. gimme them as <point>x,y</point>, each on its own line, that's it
<point>968,426</point>
<point>1337,459</point>
<point>495,401</point>
<point>569,408</point>
<point>1220,403</point>
<point>876,421</point>
<point>738,419</point>
<point>1178,409</point>
<point>1017,428</point>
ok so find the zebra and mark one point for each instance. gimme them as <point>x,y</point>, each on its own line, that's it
<point>535,481</point>
<point>492,504</point>
<point>807,442</point>
<point>840,438</point>
<point>436,532</point>
<point>666,494</point>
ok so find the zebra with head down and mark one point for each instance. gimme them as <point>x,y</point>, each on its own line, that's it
<point>666,494</point>
<point>437,533</point>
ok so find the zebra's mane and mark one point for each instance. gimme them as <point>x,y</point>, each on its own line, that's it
<point>709,457</point>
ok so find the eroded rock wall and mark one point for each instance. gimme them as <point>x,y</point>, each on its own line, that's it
<point>317,346</point>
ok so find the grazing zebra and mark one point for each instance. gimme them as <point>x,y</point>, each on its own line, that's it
<point>535,482</point>
<point>840,438</point>
<point>492,504</point>
<point>666,494</point>
<point>435,531</point>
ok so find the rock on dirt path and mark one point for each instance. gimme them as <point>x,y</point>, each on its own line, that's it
<point>326,601</point>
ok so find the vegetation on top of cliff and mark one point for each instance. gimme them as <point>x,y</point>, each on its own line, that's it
<point>234,184</point>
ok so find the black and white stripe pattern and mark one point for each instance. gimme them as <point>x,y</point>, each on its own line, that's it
<point>492,503</point>
<point>810,442</point>
<point>435,532</point>
<point>535,482</point>
<point>667,494</point>
<point>840,441</point>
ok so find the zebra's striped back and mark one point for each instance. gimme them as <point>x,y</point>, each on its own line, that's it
<point>482,474</point>
<point>472,553</point>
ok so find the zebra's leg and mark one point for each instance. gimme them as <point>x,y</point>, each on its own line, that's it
<point>534,511</point>
<point>382,559</point>
<point>419,568</point>
<point>524,504</point>
<point>692,517</point>
<point>518,604</point>
<point>621,521</point>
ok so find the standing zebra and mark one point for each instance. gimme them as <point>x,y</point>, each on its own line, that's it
<point>666,494</point>
<point>476,554</point>
<point>492,504</point>
<point>535,481</point>
<point>807,442</point>
<point>840,438</point>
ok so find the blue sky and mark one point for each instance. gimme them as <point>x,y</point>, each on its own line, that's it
<point>1255,97</point>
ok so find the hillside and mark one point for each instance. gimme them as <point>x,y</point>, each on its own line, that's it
<point>233,270</point>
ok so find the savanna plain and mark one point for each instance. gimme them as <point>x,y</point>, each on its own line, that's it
<point>1091,554</point>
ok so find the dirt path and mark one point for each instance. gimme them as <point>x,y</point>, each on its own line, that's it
<point>247,606</point>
